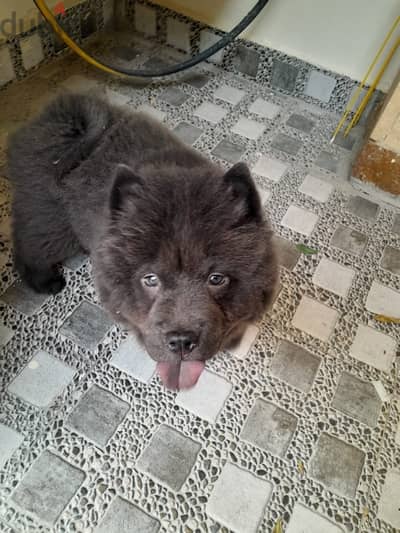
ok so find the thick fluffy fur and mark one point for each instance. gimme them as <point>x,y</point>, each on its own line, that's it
<point>119,185</point>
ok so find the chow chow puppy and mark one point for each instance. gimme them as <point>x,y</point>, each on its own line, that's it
<point>181,250</point>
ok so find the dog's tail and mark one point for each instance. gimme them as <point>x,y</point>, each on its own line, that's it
<point>62,136</point>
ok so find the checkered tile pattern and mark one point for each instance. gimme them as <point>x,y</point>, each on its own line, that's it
<point>299,425</point>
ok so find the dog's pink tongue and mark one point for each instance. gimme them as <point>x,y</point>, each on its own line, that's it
<point>181,374</point>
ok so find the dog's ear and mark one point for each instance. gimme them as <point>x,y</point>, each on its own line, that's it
<point>240,182</point>
<point>126,185</point>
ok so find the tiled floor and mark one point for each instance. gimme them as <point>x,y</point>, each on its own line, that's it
<point>297,430</point>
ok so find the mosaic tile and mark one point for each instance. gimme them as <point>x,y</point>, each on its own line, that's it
<point>196,79</point>
<point>363,208</point>
<point>125,517</point>
<point>229,94</point>
<point>238,499</point>
<point>187,133</point>
<point>42,380</point>
<point>169,457</point>
<point>211,112</point>
<point>48,487</point>
<point>316,188</point>
<point>229,151</point>
<point>396,224</point>
<point>300,123</point>
<point>87,325</point>
<point>287,144</point>
<point>174,96</point>
<point>246,61</point>
<point>178,34</point>
<point>358,399</point>
<point>207,397</point>
<point>305,520</point>
<point>389,509</point>
<point>6,334</point>
<point>10,440</point>
<point>264,109</point>
<point>24,299</point>
<point>152,111</point>
<point>32,52</point>
<point>284,76</point>
<point>315,318</point>
<point>270,168</point>
<point>383,300</point>
<point>133,359</point>
<point>288,254</point>
<point>97,415</point>
<point>373,348</point>
<point>207,39</point>
<point>391,260</point>
<point>145,19</point>
<point>269,427</point>
<point>248,128</point>
<point>337,465</point>
<point>349,240</point>
<point>299,220</point>
<point>320,86</point>
<point>327,161</point>
<point>333,277</point>
<point>7,71</point>
<point>295,365</point>
<point>247,341</point>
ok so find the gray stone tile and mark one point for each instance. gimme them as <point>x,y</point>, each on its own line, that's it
<point>349,240</point>
<point>132,358</point>
<point>87,325</point>
<point>389,508</point>
<point>344,142</point>
<point>7,71</point>
<point>327,161</point>
<point>269,427</point>
<point>300,123</point>
<point>75,262</point>
<point>284,76</point>
<point>246,60</point>
<point>124,517</point>
<point>229,151</point>
<point>187,133</point>
<point>6,334</point>
<point>363,208</point>
<point>178,34</point>
<point>288,254</point>
<point>98,415</point>
<point>208,39</point>
<point>9,442</point>
<point>174,96</point>
<point>196,80</point>
<point>238,500</point>
<point>396,225</point>
<point>358,399</point>
<point>156,63</point>
<point>24,299</point>
<point>169,457</point>
<point>295,365</point>
<point>42,380</point>
<point>48,487</point>
<point>320,86</point>
<point>286,144</point>
<point>337,465</point>
<point>391,260</point>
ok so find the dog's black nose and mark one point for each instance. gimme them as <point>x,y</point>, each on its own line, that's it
<point>182,342</point>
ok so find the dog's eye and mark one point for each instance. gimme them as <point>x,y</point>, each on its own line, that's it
<point>217,279</point>
<point>151,280</point>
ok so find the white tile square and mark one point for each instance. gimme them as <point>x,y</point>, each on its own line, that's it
<point>32,51</point>
<point>303,520</point>
<point>6,334</point>
<point>389,508</point>
<point>152,111</point>
<point>333,277</point>
<point>264,194</point>
<point>229,94</point>
<point>79,83</point>
<point>116,98</point>
<point>6,68</point>
<point>133,359</point>
<point>207,39</point>
<point>248,128</point>
<point>211,112</point>
<point>373,348</point>
<point>9,442</point>
<point>145,19</point>
<point>383,300</point>
<point>300,220</point>
<point>315,318</point>
<point>238,499</point>
<point>42,379</point>
<point>178,34</point>
<point>272,169</point>
<point>207,398</point>
<point>315,188</point>
<point>264,109</point>
<point>246,343</point>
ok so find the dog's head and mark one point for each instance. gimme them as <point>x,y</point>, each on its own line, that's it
<point>187,262</point>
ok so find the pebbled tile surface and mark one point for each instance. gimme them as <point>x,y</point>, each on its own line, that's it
<point>112,445</point>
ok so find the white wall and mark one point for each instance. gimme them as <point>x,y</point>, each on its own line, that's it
<point>339,35</point>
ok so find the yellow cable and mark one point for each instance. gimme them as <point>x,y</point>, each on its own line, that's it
<point>361,86</point>
<point>48,15</point>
